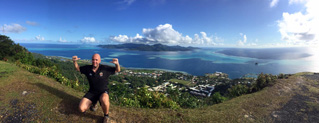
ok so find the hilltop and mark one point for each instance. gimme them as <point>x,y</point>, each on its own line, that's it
<point>144,47</point>
<point>28,97</point>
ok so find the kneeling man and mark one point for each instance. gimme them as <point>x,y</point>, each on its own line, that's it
<point>97,76</point>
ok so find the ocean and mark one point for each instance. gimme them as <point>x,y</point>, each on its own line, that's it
<point>236,62</point>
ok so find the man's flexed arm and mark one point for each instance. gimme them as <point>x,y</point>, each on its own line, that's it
<point>75,58</point>
<point>117,65</point>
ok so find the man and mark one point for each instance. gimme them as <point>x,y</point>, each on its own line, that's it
<point>98,80</point>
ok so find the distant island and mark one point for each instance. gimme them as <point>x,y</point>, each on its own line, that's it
<point>144,47</point>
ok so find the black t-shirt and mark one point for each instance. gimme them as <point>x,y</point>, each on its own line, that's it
<point>98,81</point>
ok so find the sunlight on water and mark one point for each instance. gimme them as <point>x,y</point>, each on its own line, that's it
<point>313,61</point>
<point>306,64</point>
<point>117,54</point>
<point>207,55</point>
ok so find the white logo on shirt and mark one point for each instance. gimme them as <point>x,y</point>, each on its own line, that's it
<point>101,74</point>
<point>90,74</point>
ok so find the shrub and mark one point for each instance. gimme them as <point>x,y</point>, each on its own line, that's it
<point>217,98</point>
<point>263,81</point>
<point>238,90</point>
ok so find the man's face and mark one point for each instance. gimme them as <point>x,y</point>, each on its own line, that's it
<point>96,60</point>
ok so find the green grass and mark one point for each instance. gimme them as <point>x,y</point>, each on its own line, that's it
<point>312,105</point>
<point>5,70</point>
<point>304,73</point>
<point>313,89</point>
<point>212,76</point>
<point>183,82</point>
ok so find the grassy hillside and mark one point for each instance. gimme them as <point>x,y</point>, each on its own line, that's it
<point>27,97</point>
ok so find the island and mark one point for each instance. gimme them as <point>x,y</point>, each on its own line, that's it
<point>145,47</point>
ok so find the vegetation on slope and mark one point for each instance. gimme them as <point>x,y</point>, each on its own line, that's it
<point>27,97</point>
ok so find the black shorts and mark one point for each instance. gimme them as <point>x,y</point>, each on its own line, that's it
<point>94,97</point>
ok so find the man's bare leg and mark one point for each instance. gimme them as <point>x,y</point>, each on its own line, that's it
<point>84,104</point>
<point>104,99</point>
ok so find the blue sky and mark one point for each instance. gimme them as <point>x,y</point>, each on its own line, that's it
<point>210,23</point>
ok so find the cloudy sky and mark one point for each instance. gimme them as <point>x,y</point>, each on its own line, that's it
<point>209,23</point>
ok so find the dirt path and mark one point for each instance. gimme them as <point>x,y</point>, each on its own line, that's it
<point>304,105</point>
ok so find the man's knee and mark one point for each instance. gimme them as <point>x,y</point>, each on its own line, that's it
<point>82,109</point>
<point>84,104</point>
<point>104,98</point>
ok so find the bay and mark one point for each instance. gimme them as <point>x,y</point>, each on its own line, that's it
<point>236,62</point>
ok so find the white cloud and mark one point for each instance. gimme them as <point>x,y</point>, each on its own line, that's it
<point>125,2</point>
<point>128,2</point>
<point>13,28</point>
<point>165,34</point>
<point>88,40</point>
<point>62,40</point>
<point>121,38</point>
<point>296,1</point>
<point>242,42</point>
<point>39,38</point>
<point>274,3</point>
<point>301,28</point>
<point>252,44</point>
<point>32,23</point>
<point>203,39</point>
<point>245,39</point>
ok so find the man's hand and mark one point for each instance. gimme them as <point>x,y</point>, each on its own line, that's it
<point>115,61</point>
<point>117,65</point>
<point>75,58</point>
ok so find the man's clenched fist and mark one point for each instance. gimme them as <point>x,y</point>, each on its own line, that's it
<point>75,58</point>
<point>115,61</point>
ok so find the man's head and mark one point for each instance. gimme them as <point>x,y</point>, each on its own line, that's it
<point>96,60</point>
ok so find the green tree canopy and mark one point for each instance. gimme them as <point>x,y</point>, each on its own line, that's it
<point>8,48</point>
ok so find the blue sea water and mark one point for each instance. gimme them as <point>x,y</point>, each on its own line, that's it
<point>234,61</point>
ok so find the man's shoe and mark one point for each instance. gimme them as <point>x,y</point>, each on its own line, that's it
<point>106,119</point>
<point>93,107</point>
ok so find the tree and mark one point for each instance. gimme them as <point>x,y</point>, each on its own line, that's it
<point>261,82</point>
<point>238,90</point>
<point>9,49</point>
<point>217,98</point>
